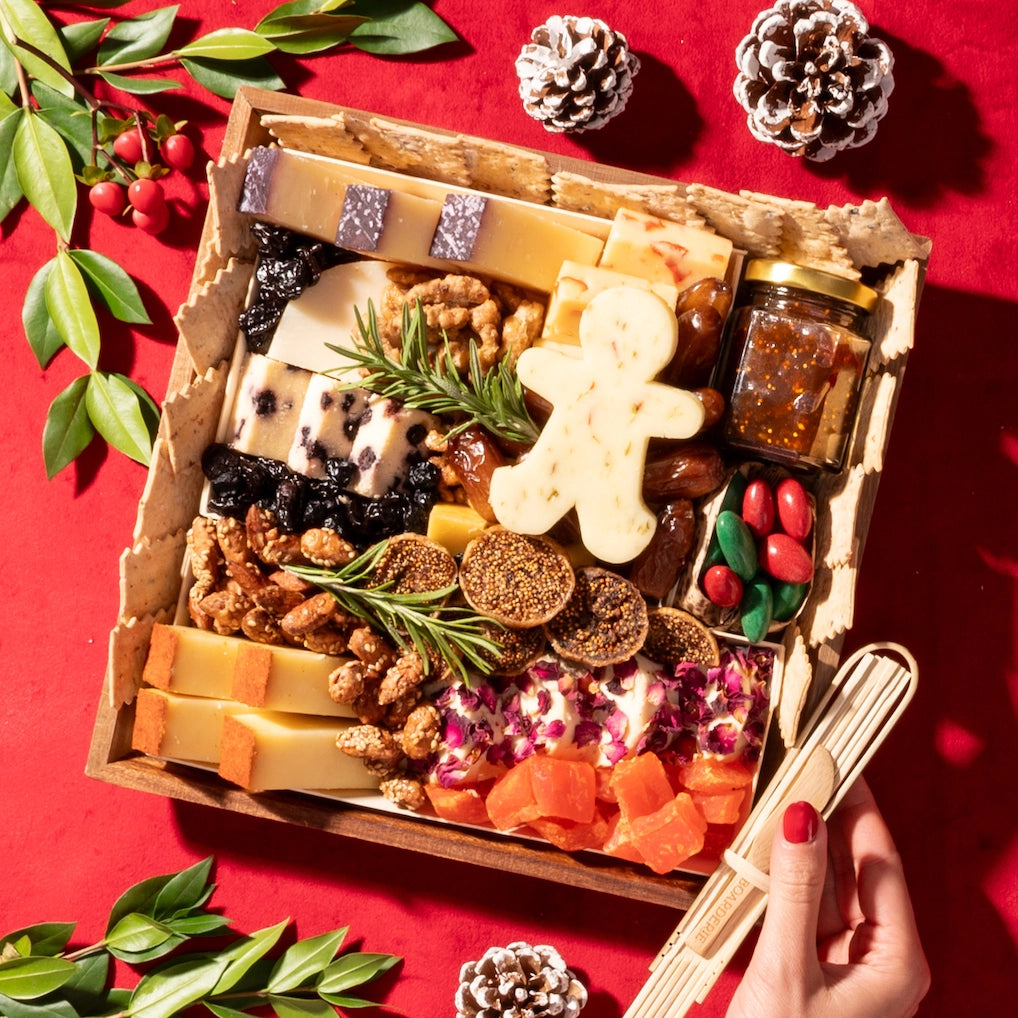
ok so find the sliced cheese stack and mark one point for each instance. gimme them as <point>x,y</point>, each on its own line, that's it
<point>267,408</point>
<point>327,425</point>
<point>180,727</point>
<point>389,440</point>
<point>266,751</point>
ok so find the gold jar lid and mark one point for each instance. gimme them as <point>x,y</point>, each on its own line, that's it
<point>765,270</point>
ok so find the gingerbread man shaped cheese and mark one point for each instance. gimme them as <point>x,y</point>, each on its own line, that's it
<point>607,407</point>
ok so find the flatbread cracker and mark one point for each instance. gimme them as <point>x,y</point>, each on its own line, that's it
<point>507,171</point>
<point>128,648</point>
<point>324,136</point>
<point>751,223</point>
<point>231,235</point>
<point>191,417</point>
<point>400,147</point>
<point>207,323</point>
<point>599,198</point>
<point>894,316</point>
<point>796,676</point>
<point>831,607</point>
<point>873,234</point>
<point>876,411</point>
<point>837,536</point>
<point>150,574</point>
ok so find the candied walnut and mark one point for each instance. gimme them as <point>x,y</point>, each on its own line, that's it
<point>422,733</point>
<point>674,636</point>
<point>375,746</point>
<point>403,677</point>
<point>247,576</point>
<point>516,579</point>
<point>328,639</point>
<point>605,621</point>
<point>324,547</point>
<point>206,557</point>
<point>397,712</point>
<point>311,614</point>
<point>267,541</point>
<point>226,608</point>
<point>407,793</point>
<point>201,619</point>
<point>231,535</point>
<point>291,582</point>
<point>346,683</point>
<point>521,328</point>
<point>367,708</point>
<point>261,626</point>
<point>276,599</point>
<point>413,563</point>
<point>373,651</point>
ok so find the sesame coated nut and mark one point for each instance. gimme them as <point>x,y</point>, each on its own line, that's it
<point>516,579</point>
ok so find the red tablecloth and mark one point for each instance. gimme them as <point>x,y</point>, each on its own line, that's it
<point>940,567</point>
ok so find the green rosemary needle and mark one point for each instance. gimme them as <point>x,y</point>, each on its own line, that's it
<point>418,621</point>
<point>492,399</point>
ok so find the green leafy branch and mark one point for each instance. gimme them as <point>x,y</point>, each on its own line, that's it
<point>55,132</point>
<point>40,978</point>
<point>492,399</point>
<point>423,621</point>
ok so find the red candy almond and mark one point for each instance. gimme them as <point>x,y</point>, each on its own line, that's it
<point>758,508</point>
<point>722,586</point>
<point>795,511</point>
<point>786,559</point>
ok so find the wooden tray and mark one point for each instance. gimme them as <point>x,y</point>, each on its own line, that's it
<point>867,241</point>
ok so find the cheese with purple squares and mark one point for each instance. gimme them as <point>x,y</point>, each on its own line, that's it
<point>328,201</point>
<point>664,251</point>
<point>606,407</point>
<point>267,408</point>
<point>389,440</point>
<point>262,751</point>
<point>576,286</point>
<point>510,241</point>
<point>324,314</point>
<point>328,423</point>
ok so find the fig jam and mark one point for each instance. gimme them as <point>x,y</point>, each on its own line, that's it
<point>793,362</point>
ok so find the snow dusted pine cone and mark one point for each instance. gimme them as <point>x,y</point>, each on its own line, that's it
<point>519,981</point>
<point>575,73</point>
<point>811,79</point>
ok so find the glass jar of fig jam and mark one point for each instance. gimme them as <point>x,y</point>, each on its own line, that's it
<point>792,364</point>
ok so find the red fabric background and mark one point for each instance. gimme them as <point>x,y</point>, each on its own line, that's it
<point>939,574</point>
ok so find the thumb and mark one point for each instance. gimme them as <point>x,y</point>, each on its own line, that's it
<point>798,871</point>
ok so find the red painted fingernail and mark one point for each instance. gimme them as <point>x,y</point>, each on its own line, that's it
<point>801,823</point>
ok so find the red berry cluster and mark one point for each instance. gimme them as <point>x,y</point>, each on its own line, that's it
<point>133,180</point>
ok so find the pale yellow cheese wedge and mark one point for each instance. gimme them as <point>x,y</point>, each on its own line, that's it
<point>288,679</point>
<point>454,526</point>
<point>182,659</point>
<point>180,727</point>
<point>576,286</point>
<point>664,251</point>
<point>268,751</point>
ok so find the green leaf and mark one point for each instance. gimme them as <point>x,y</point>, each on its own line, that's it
<point>150,417</point>
<point>198,925</point>
<point>10,187</point>
<point>86,990</point>
<point>305,960</point>
<point>45,172</point>
<point>41,333</point>
<point>68,430</point>
<point>44,938</point>
<point>113,286</point>
<point>30,24</point>
<point>225,1012</point>
<point>139,86</point>
<point>144,896</point>
<point>10,1008</point>
<point>116,411</point>
<point>354,970</point>
<point>245,952</point>
<point>6,104</point>
<point>134,933</point>
<point>167,991</point>
<point>81,38</point>
<point>300,1007</point>
<point>341,1000</point>
<point>8,70</point>
<point>227,44</point>
<point>184,890</point>
<point>70,307</point>
<point>223,78</point>
<point>398,27</point>
<point>70,117</point>
<point>138,38</point>
<point>299,9</point>
<point>312,33</point>
<point>27,978</point>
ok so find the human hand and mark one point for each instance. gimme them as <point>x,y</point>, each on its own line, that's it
<point>839,939</point>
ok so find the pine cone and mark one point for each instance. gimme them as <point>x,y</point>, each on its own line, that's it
<point>519,981</point>
<point>811,79</point>
<point>575,74</point>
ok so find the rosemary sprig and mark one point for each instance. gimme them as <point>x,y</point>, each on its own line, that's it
<point>421,621</point>
<point>492,399</point>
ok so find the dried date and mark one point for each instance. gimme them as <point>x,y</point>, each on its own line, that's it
<point>689,470</point>
<point>474,456</point>
<point>655,570</point>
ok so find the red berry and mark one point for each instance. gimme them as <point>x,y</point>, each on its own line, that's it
<point>146,195</point>
<point>177,151</point>
<point>128,146</point>
<point>107,196</point>
<point>154,222</point>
